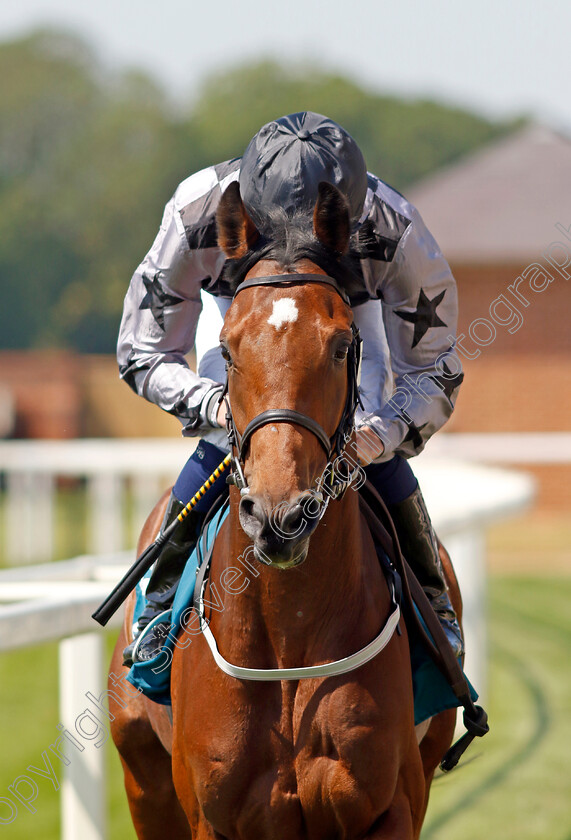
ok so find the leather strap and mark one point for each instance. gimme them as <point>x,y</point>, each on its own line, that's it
<point>284,415</point>
<point>205,551</point>
<point>438,646</point>
<point>327,669</point>
<point>292,280</point>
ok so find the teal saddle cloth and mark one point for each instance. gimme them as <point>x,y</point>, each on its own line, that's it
<point>432,694</point>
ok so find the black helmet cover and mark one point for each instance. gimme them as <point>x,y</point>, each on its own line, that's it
<point>286,160</point>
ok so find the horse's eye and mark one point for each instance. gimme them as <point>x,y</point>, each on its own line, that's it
<point>226,354</point>
<point>341,353</point>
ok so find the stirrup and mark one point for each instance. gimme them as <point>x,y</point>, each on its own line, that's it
<point>442,606</point>
<point>128,654</point>
<point>139,643</point>
<point>453,633</point>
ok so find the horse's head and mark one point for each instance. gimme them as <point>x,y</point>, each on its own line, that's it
<point>287,339</point>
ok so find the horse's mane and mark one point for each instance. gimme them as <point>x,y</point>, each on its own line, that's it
<point>287,239</point>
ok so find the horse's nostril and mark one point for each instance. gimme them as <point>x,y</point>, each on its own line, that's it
<point>293,522</point>
<point>252,516</point>
<point>246,505</point>
<point>250,508</point>
<point>280,535</point>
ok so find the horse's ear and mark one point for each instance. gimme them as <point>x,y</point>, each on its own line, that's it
<point>237,233</point>
<point>331,219</point>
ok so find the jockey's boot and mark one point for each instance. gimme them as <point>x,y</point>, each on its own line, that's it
<point>420,547</point>
<point>164,581</point>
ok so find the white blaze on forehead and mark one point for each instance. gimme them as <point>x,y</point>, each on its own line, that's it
<point>284,311</point>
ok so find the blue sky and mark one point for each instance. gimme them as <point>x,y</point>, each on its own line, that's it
<point>499,57</point>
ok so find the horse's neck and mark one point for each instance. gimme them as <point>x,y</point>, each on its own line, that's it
<point>337,593</point>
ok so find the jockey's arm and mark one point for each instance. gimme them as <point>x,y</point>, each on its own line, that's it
<point>158,327</point>
<point>419,310</point>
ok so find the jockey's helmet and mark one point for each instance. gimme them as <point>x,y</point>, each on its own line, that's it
<point>286,160</point>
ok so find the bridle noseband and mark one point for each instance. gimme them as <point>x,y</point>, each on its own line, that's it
<point>283,415</point>
<point>333,446</point>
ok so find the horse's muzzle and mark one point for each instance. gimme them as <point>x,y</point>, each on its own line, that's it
<point>280,535</point>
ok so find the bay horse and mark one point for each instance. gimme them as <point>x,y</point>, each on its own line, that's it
<point>311,757</point>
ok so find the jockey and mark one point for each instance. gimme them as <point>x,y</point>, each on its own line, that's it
<point>405,307</point>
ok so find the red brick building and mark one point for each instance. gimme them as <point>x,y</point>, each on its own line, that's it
<point>40,394</point>
<point>60,394</point>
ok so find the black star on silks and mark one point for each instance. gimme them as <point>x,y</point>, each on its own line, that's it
<point>157,299</point>
<point>424,317</point>
<point>414,435</point>
<point>449,383</point>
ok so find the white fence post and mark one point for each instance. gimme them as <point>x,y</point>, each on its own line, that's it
<point>467,550</point>
<point>105,503</point>
<point>463,500</point>
<point>146,493</point>
<point>29,517</point>
<point>83,788</point>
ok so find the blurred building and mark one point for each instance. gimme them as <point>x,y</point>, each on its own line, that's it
<point>41,394</point>
<point>60,394</point>
<point>503,220</point>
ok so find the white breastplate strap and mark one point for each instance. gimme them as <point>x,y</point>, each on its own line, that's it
<point>329,669</point>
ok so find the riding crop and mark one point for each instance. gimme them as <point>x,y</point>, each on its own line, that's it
<point>131,578</point>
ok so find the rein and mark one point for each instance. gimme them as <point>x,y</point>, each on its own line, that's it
<point>333,446</point>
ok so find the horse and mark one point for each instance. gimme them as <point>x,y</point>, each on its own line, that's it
<point>311,755</point>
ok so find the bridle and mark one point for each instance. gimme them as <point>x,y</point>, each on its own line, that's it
<point>333,446</point>
<point>332,484</point>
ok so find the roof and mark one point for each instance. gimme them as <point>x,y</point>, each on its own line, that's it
<point>501,203</point>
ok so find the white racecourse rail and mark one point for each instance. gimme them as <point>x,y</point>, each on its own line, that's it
<point>54,601</point>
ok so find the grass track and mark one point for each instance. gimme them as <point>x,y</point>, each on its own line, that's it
<point>515,783</point>
<point>519,785</point>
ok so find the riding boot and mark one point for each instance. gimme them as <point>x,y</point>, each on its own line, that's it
<point>164,581</point>
<point>420,547</point>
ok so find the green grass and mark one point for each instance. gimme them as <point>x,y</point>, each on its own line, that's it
<point>28,720</point>
<point>514,784</point>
